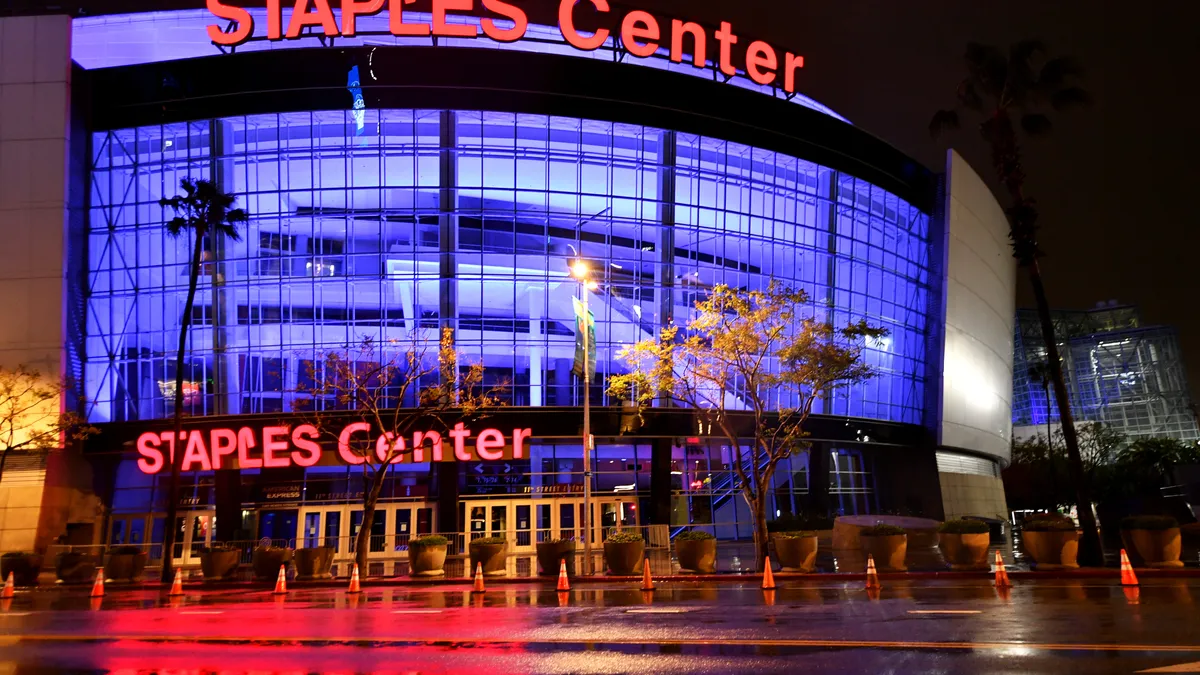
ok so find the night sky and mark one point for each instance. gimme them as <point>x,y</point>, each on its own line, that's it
<point>1115,181</point>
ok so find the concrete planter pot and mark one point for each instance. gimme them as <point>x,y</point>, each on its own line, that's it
<point>697,556</point>
<point>796,554</point>
<point>125,565</point>
<point>624,559</point>
<point>217,564</point>
<point>266,562</point>
<point>1052,550</point>
<point>314,563</point>
<point>550,556</point>
<point>1158,549</point>
<point>965,551</point>
<point>72,567</point>
<point>493,556</point>
<point>888,550</point>
<point>426,561</point>
<point>24,567</point>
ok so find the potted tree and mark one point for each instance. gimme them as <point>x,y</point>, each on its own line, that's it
<point>887,544</point>
<point>1052,542</point>
<point>314,563</point>
<point>23,565</point>
<point>125,563</point>
<point>796,551</point>
<point>427,556</point>
<point>697,552</point>
<point>624,552</point>
<point>552,552</point>
<point>1155,540</point>
<point>492,552</point>
<point>219,562</point>
<point>267,559</point>
<point>964,543</point>
<point>74,567</point>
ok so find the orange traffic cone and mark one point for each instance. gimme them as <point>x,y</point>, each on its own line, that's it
<point>354,585</point>
<point>1132,595</point>
<point>281,581</point>
<point>478,579</point>
<point>9,587</point>
<point>5,604</point>
<point>95,604</point>
<point>647,581</point>
<point>872,575</point>
<point>769,598</point>
<point>1001,573</point>
<point>768,575</point>
<point>177,585</point>
<point>564,598</point>
<point>564,584</point>
<point>98,587</point>
<point>1128,578</point>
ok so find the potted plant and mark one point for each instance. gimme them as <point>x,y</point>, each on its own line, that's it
<point>624,552</point>
<point>1052,542</point>
<point>74,567</point>
<point>887,544</point>
<point>1154,540</point>
<point>427,556</point>
<point>24,566</point>
<point>964,543</point>
<point>492,552</point>
<point>314,563</point>
<point>796,551</point>
<point>219,562</point>
<point>125,563</point>
<point>697,552</point>
<point>552,552</point>
<point>267,559</point>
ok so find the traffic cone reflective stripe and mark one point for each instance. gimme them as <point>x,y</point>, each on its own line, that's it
<point>1128,578</point>
<point>98,586</point>
<point>647,580</point>
<point>281,581</point>
<point>9,587</point>
<point>872,575</point>
<point>768,575</point>
<point>1001,573</point>
<point>478,579</point>
<point>177,585</point>
<point>354,585</point>
<point>563,583</point>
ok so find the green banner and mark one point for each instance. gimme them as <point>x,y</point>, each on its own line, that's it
<point>591,341</point>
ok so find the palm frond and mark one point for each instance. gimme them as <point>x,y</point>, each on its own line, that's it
<point>1036,124</point>
<point>1058,72</point>
<point>1070,97</point>
<point>968,96</point>
<point>988,68</point>
<point>943,121</point>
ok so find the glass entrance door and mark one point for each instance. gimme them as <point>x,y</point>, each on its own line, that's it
<point>193,533</point>
<point>511,520</point>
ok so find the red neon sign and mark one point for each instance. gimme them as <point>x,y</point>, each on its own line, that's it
<point>278,447</point>
<point>640,32</point>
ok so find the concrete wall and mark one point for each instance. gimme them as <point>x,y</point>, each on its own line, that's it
<point>35,98</point>
<point>971,495</point>
<point>980,310</point>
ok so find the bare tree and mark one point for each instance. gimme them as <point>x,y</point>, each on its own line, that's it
<point>31,414</point>
<point>397,389</point>
<point>753,366</point>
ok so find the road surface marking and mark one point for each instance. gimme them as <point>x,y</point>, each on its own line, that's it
<point>1193,667</point>
<point>202,612</point>
<point>737,642</point>
<point>417,611</point>
<point>944,611</point>
<point>651,610</point>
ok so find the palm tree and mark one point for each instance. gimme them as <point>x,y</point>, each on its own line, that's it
<point>1007,91</point>
<point>206,213</point>
<point>1039,371</point>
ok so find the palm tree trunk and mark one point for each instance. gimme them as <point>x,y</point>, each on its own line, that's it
<point>1090,551</point>
<point>168,565</point>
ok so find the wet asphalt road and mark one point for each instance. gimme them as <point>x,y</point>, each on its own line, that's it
<point>1051,626</point>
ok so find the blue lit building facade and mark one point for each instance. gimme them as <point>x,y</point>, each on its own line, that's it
<point>455,196</point>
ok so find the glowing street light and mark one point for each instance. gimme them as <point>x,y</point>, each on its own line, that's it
<point>581,271</point>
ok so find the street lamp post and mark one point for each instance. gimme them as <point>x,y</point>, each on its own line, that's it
<point>580,271</point>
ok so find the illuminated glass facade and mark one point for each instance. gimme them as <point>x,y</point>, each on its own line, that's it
<point>402,221</point>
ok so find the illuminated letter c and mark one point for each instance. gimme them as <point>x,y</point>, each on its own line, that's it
<point>566,24</point>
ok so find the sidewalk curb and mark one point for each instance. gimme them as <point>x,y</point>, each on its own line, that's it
<point>730,579</point>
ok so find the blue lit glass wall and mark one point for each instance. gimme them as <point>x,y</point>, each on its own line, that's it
<point>469,219</point>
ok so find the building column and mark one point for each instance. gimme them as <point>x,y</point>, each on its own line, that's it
<point>660,482</point>
<point>447,496</point>
<point>448,220</point>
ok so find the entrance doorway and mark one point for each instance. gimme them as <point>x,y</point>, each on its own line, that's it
<point>279,527</point>
<point>337,527</point>
<point>193,533</point>
<point>525,522</point>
